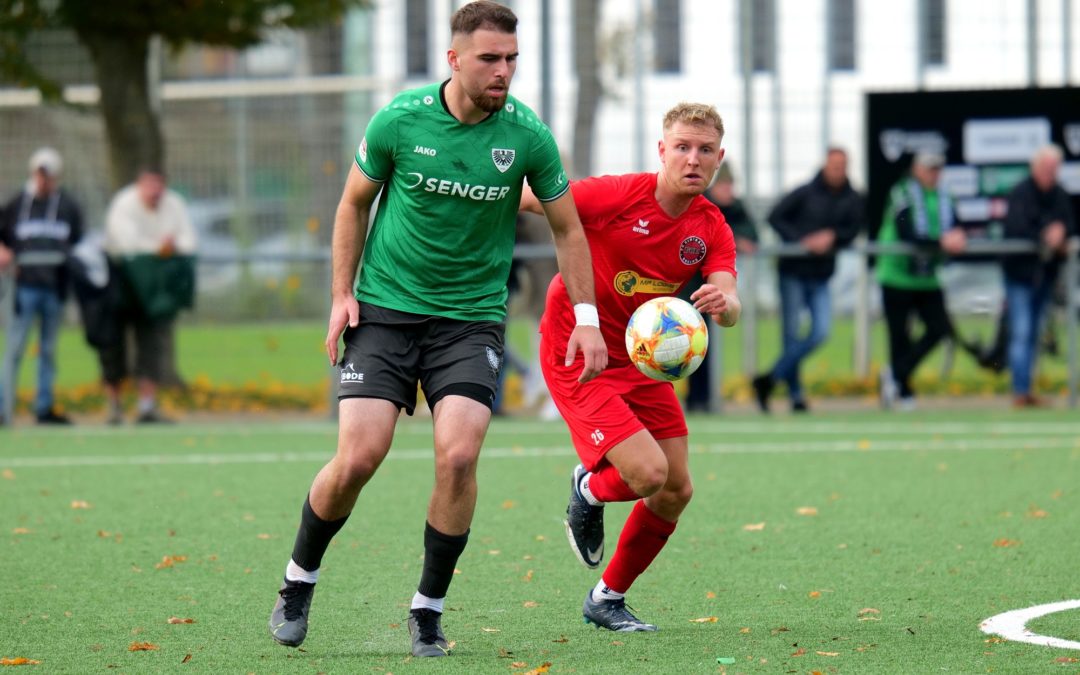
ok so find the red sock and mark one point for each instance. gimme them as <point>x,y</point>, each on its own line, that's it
<point>643,535</point>
<point>608,486</point>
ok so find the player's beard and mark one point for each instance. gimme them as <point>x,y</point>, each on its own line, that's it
<point>487,103</point>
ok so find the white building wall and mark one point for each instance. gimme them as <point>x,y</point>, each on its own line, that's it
<point>986,48</point>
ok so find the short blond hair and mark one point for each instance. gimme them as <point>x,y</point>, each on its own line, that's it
<point>694,113</point>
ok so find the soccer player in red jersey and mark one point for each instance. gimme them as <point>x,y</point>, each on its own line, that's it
<point>648,234</point>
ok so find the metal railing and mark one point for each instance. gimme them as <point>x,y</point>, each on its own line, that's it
<point>750,266</point>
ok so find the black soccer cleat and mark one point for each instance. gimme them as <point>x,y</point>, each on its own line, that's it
<point>613,615</point>
<point>584,524</point>
<point>288,621</point>
<point>425,631</point>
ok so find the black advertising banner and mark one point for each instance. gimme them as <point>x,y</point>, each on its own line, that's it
<point>987,137</point>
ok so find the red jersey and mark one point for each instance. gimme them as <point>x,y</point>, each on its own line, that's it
<point>638,253</point>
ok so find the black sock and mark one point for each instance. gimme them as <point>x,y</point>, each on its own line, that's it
<point>313,538</point>
<point>441,552</point>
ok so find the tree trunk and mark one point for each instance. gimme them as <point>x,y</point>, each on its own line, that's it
<point>587,66</point>
<point>132,128</point>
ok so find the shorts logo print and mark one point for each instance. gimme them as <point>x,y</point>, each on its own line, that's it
<point>493,358</point>
<point>349,374</point>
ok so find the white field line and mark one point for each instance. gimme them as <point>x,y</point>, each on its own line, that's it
<point>1013,625</point>
<point>525,428</point>
<point>839,446</point>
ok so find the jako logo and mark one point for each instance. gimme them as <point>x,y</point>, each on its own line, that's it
<point>479,193</point>
<point>421,150</point>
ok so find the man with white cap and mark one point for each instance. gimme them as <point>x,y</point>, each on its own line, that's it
<point>917,212</point>
<point>38,227</point>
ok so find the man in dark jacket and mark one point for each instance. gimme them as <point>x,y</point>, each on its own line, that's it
<point>823,216</point>
<point>1038,211</point>
<point>38,227</point>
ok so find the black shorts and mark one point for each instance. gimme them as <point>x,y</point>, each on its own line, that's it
<point>391,351</point>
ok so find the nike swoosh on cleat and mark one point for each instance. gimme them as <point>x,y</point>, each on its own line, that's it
<point>594,555</point>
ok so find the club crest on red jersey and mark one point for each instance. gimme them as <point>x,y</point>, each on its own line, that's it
<point>692,250</point>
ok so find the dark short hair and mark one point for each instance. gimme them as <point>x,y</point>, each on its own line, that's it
<point>483,14</point>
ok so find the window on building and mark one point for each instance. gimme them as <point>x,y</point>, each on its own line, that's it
<point>841,47</point>
<point>667,49</point>
<point>762,34</point>
<point>416,38</point>
<point>933,32</point>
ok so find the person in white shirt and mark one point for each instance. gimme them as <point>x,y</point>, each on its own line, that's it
<point>144,219</point>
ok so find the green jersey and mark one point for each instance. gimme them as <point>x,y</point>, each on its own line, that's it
<point>442,238</point>
<point>918,216</point>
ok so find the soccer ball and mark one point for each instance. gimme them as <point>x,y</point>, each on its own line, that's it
<point>666,339</point>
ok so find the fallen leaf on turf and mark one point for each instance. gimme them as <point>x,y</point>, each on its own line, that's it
<point>80,504</point>
<point>754,527</point>
<point>561,639</point>
<point>18,661</point>
<point>799,652</point>
<point>617,643</point>
<point>506,654</point>
<point>806,511</point>
<point>21,530</point>
<point>744,631</point>
<point>187,657</point>
<point>540,537</point>
<point>142,647</point>
<point>1066,659</point>
<point>863,444</point>
<point>1035,512</point>
<point>816,672</point>
<point>530,604</point>
<point>509,504</point>
<point>995,640</point>
<point>395,625</point>
<point>815,594</point>
<point>263,535</point>
<point>249,517</point>
<point>828,653</point>
<point>491,630</point>
<point>8,474</point>
<point>176,619</point>
<point>543,668</point>
<point>518,664</point>
<point>1057,494</point>
<point>494,551</point>
<point>457,571</point>
<point>169,561</point>
<point>781,629</point>
<point>710,595</point>
<point>865,611</point>
<point>1006,543</point>
<point>528,576</point>
<point>705,619</point>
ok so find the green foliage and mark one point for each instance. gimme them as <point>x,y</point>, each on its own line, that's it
<point>229,23</point>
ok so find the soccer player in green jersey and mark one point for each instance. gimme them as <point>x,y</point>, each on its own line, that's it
<point>429,305</point>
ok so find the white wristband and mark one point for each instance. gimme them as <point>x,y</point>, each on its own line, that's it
<point>586,315</point>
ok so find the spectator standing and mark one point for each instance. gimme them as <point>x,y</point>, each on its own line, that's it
<point>722,194</point>
<point>823,217</point>
<point>151,241</point>
<point>1038,211</point>
<point>38,228</point>
<point>918,213</point>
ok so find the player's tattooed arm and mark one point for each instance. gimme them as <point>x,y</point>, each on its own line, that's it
<point>719,298</point>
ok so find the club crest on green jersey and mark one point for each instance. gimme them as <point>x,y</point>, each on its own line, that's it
<point>503,158</point>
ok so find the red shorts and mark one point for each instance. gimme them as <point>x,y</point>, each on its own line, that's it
<point>610,408</point>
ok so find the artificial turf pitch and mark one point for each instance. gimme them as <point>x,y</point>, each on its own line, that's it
<point>859,543</point>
